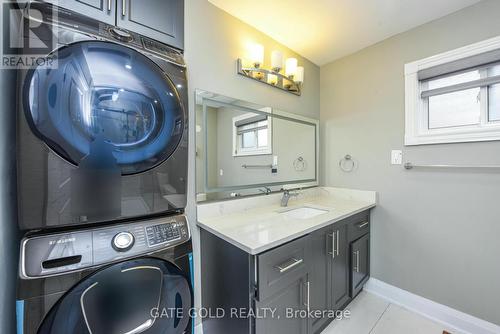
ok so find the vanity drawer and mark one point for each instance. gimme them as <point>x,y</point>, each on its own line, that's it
<point>281,266</point>
<point>358,225</point>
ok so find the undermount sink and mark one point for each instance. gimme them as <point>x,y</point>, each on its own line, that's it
<point>304,212</point>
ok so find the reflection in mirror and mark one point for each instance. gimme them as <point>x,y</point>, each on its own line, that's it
<point>243,148</point>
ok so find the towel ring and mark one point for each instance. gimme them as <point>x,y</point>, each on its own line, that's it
<point>300,164</point>
<point>347,164</point>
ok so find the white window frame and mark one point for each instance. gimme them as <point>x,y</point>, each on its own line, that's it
<point>238,152</point>
<point>416,109</point>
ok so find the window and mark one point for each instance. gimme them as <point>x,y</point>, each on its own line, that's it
<point>454,97</point>
<point>252,135</point>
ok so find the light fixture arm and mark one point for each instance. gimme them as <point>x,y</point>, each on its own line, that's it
<point>260,74</point>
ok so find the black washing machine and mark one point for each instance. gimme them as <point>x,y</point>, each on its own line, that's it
<point>101,173</point>
<point>101,127</point>
<point>124,279</point>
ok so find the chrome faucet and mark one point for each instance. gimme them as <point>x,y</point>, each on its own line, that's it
<point>286,197</point>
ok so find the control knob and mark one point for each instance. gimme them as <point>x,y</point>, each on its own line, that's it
<point>123,241</point>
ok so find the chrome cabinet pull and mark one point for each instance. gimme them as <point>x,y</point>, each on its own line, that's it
<point>284,267</point>
<point>308,296</point>
<point>363,225</point>
<point>329,237</point>
<point>109,5</point>
<point>333,245</point>
<point>356,267</point>
<point>124,3</point>
<point>337,243</point>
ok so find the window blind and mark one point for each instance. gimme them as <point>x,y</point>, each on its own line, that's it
<point>475,63</point>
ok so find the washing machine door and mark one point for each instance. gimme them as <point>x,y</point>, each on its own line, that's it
<point>147,295</point>
<point>105,106</point>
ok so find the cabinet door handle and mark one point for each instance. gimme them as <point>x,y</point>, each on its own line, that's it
<point>124,3</point>
<point>330,236</point>
<point>337,243</point>
<point>308,296</point>
<point>334,246</point>
<point>363,225</point>
<point>109,5</point>
<point>356,267</point>
<point>284,267</point>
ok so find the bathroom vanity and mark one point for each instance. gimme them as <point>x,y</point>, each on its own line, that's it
<point>304,261</point>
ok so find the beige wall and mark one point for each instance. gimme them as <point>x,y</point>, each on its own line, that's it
<point>213,42</point>
<point>435,233</point>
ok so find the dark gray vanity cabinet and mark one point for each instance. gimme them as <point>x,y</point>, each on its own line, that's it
<point>359,248</point>
<point>321,274</point>
<point>360,271</point>
<point>162,20</point>
<point>283,283</point>
<point>102,10</point>
<point>294,297</point>
<point>321,271</point>
<point>340,267</point>
<point>329,250</point>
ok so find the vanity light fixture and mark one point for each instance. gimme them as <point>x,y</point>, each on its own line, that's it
<point>291,81</point>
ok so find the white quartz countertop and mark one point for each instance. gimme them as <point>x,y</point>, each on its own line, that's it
<point>257,224</point>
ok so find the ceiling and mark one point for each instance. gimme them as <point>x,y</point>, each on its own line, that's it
<point>325,30</point>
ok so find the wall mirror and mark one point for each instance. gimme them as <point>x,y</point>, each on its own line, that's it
<point>244,149</point>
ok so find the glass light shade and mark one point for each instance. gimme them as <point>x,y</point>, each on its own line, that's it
<point>291,67</point>
<point>257,54</point>
<point>276,61</point>
<point>299,76</point>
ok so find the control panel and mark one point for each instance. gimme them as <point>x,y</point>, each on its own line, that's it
<point>159,234</point>
<point>50,255</point>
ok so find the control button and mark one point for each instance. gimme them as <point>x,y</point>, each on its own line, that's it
<point>123,241</point>
<point>121,35</point>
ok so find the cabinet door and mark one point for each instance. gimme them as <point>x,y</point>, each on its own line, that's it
<point>162,20</point>
<point>340,268</point>
<point>360,264</point>
<point>293,297</point>
<point>102,10</point>
<point>321,247</point>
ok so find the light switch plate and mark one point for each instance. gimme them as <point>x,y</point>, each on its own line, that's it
<point>396,157</point>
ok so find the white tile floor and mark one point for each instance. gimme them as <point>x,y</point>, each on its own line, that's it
<point>373,315</point>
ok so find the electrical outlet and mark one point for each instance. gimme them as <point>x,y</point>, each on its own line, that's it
<point>396,157</point>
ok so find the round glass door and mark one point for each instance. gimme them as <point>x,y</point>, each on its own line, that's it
<point>107,104</point>
<point>147,295</point>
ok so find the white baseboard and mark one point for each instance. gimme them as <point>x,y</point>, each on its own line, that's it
<point>448,316</point>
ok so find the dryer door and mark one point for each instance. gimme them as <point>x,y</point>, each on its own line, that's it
<point>105,106</point>
<point>145,295</point>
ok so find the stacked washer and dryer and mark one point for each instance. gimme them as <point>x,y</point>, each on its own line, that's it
<point>102,167</point>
